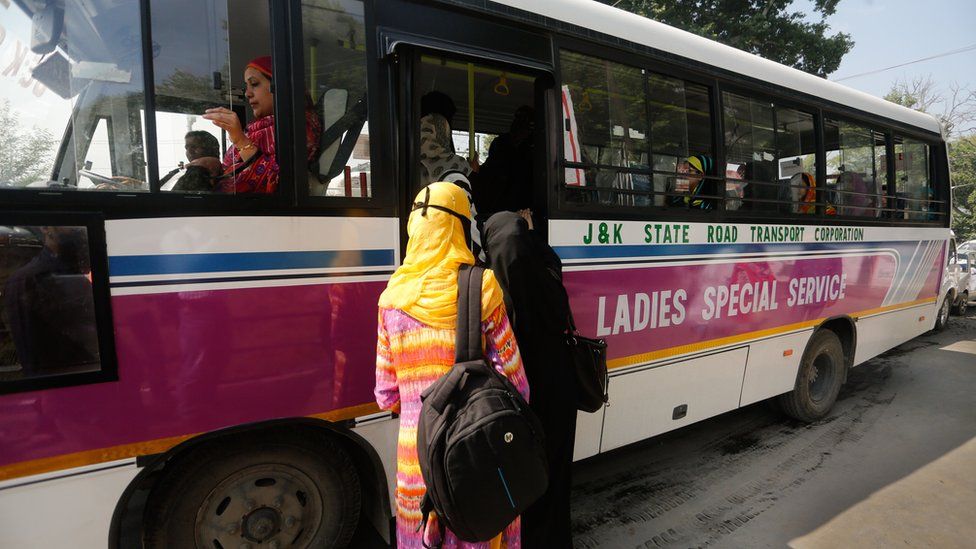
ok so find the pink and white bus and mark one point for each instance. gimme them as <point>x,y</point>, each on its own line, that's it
<point>193,368</point>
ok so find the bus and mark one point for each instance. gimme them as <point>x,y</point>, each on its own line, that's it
<point>194,368</point>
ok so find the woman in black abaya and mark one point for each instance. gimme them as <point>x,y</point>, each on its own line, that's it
<point>530,274</point>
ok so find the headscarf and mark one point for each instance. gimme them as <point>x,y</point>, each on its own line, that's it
<point>804,191</point>
<point>262,64</point>
<point>437,155</point>
<point>702,163</point>
<point>529,273</point>
<point>425,286</point>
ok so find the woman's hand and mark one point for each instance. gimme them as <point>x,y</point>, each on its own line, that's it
<point>526,214</point>
<point>226,120</point>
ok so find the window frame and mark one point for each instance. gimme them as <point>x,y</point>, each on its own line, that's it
<point>777,103</point>
<point>286,42</point>
<point>95,226</point>
<point>566,209</point>
<point>718,80</point>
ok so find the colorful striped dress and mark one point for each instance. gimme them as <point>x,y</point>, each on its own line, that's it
<point>411,355</point>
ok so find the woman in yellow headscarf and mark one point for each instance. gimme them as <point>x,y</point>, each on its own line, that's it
<point>415,343</point>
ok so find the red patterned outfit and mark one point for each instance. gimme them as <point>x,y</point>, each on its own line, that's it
<point>259,174</point>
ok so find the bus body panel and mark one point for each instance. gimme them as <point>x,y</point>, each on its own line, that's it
<point>589,429</point>
<point>72,509</point>
<point>881,332</point>
<point>773,364</point>
<point>218,322</point>
<point>646,401</point>
<point>697,313</point>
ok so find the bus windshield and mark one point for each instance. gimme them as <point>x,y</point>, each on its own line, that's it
<point>71,69</point>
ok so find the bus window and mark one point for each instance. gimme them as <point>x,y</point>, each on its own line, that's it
<point>201,51</point>
<point>680,128</point>
<point>335,77</point>
<point>855,158</point>
<point>609,114</point>
<point>481,104</point>
<point>912,185</point>
<point>750,151</point>
<point>48,314</point>
<point>78,74</point>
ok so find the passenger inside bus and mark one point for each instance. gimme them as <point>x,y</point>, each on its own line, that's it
<point>197,176</point>
<point>489,113</point>
<point>250,165</point>
<point>698,186</point>
<point>803,189</point>
<point>504,182</point>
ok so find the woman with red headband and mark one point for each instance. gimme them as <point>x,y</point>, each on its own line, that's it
<point>250,165</point>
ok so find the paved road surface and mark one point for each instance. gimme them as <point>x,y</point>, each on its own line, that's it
<point>894,444</point>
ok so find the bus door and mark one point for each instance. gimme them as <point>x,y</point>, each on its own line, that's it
<point>491,83</point>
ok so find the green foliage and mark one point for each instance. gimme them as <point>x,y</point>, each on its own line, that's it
<point>962,161</point>
<point>768,28</point>
<point>25,155</point>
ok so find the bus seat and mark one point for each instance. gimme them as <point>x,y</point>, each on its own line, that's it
<point>339,138</point>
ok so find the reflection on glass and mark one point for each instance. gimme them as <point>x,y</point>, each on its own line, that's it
<point>854,169</point>
<point>48,309</point>
<point>82,80</point>
<point>335,77</point>
<point>915,194</point>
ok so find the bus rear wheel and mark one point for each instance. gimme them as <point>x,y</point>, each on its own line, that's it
<point>819,380</point>
<point>276,494</point>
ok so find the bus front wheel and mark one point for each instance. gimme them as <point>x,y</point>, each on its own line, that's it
<point>287,493</point>
<point>818,382</point>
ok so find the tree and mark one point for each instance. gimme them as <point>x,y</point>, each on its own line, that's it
<point>962,161</point>
<point>768,28</point>
<point>956,111</point>
<point>25,156</point>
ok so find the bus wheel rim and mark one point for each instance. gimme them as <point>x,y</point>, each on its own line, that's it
<point>269,505</point>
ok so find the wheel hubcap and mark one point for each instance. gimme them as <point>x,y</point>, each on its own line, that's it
<point>821,372</point>
<point>261,524</point>
<point>269,506</point>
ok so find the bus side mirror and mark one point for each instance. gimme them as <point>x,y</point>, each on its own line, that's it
<point>47,27</point>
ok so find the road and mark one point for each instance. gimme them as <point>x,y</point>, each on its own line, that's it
<point>873,473</point>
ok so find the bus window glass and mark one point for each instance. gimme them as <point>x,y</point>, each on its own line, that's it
<point>47,325</point>
<point>79,75</point>
<point>680,128</point>
<point>604,105</point>
<point>201,52</point>
<point>335,78</point>
<point>796,160</point>
<point>855,158</point>
<point>912,187</point>
<point>750,151</point>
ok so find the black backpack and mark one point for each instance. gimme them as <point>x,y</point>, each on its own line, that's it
<point>480,447</point>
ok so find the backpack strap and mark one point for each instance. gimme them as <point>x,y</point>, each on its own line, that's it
<point>467,339</point>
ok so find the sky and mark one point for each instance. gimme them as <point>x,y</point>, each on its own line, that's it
<point>891,32</point>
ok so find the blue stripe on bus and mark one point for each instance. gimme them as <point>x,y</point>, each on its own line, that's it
<point>655,250</point>
<point>133,265</point>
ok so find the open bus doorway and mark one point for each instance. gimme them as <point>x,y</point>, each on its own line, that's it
<point>496,116</point>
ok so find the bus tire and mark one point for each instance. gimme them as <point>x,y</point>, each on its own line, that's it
<point>255,492</point>
<point>942,317</point>
<point>819,379</point>
<point>963,304</point>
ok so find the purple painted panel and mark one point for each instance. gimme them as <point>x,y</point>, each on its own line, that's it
<point>642,310</point>
<point>197,361</point>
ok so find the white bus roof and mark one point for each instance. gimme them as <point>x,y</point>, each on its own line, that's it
<point>640,30</point>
